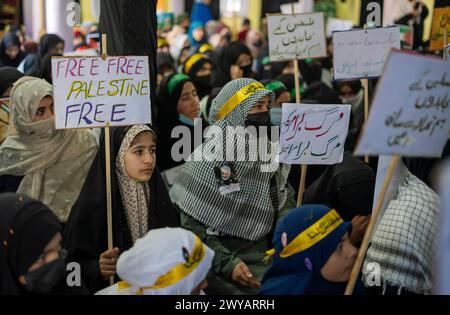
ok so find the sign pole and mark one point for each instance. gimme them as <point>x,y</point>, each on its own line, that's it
<point>366,108</point>
<point>108,170</point>
<point>304,168</point>
<point>373,220</point>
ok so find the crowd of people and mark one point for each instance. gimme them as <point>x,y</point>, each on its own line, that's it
<point>195,226</point>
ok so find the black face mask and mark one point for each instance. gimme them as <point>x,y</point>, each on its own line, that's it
<point>204,82</point>
<point>42,280</point>
<point>259,120</point>
<point>247,70</point>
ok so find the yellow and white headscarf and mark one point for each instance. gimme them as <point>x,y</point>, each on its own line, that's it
<point>167,261</point>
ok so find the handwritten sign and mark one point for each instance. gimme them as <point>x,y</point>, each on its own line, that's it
<point>447,52</point>
<point>296,36</point>
<point>91,92</point>
<point>410,114</point>
<point>441,20</point>
<point>334,25</point>
<point>313,134</point>
<point>363,53</point>
<point>302,6</point>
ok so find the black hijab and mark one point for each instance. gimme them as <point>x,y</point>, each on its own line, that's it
<point>347,187</point>
<point>10,39</point>
<point>47,43</point>
<point>85,235</point>
<point>46,67</point>
<point>228,57</point>
<point>8,75</point>
<point>167,101</point>
<point>26,227</point>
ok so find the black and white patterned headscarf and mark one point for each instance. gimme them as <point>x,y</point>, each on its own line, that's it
<point>248,213</point>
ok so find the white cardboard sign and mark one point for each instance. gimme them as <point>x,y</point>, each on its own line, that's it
<point>313,134</point>
<point>92,92</point>
<point>363,53</point>
<point>410,114</point>
<point>296,36</point>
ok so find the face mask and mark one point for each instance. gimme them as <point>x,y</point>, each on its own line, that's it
<point>185,120</point>
<point>275,116</point>
<point>259,120</point>
<point>42,280</point>
<point>204,82</point>
<point>247,70</point>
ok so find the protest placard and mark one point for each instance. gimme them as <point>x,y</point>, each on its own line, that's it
<point>302,6</point>
<point>410,113</point>
<point>363,53</point>
<point>313,134</point>
<point>441,21</point>
<point>92,92</point>
<point>296,36</point>
<point>334,25</point>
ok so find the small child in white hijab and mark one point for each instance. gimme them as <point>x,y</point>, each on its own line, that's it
<point>167,261</point>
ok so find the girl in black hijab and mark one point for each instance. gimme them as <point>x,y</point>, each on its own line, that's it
<point>140,202</point>
<point>198,67</point>
<point>31,260</point>
<point>177,106</point>
<point>10,53</point>
<point>233,62</point>
<point>49,43</point>
<point>46,67</point>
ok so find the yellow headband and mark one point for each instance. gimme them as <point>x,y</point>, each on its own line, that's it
<point>238,98</point>
<point>192,60</point>
<point>311,236</point>
<point>177,273</point>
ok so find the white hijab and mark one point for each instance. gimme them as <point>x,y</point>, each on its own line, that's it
<point>149,266</point>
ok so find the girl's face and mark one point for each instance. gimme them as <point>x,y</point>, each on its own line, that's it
<point>12,52</point>
<point>45,109</point>
<point>261,106</point>
<point>58,49</point>
<point>189,103</point>
<point>339,266</point>
<point>50,253</point>
<point>140,159</point>
<point>198,34</point>
<point>284,97</point>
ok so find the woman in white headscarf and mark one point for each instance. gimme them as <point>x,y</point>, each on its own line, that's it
<point>167,261</point>
<point>54,162</point>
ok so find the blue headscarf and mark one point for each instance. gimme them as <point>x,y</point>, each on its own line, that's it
<point>299,274</point>
<point>193,43</point>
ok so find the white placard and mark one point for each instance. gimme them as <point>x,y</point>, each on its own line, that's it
<point>302,6</point>
<point>410,114</point>
<point>296,36</point>
<point>335,25</point>
<point>447,52</point>
<point>363,53</point>
<point>92,92</point>
<point>442,271</point>
<point>313,134</point>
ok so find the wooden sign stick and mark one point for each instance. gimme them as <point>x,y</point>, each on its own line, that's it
<point>304,168</point>
<point>108,171</point>
<point>366,108</point>
<point>373,220</point>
